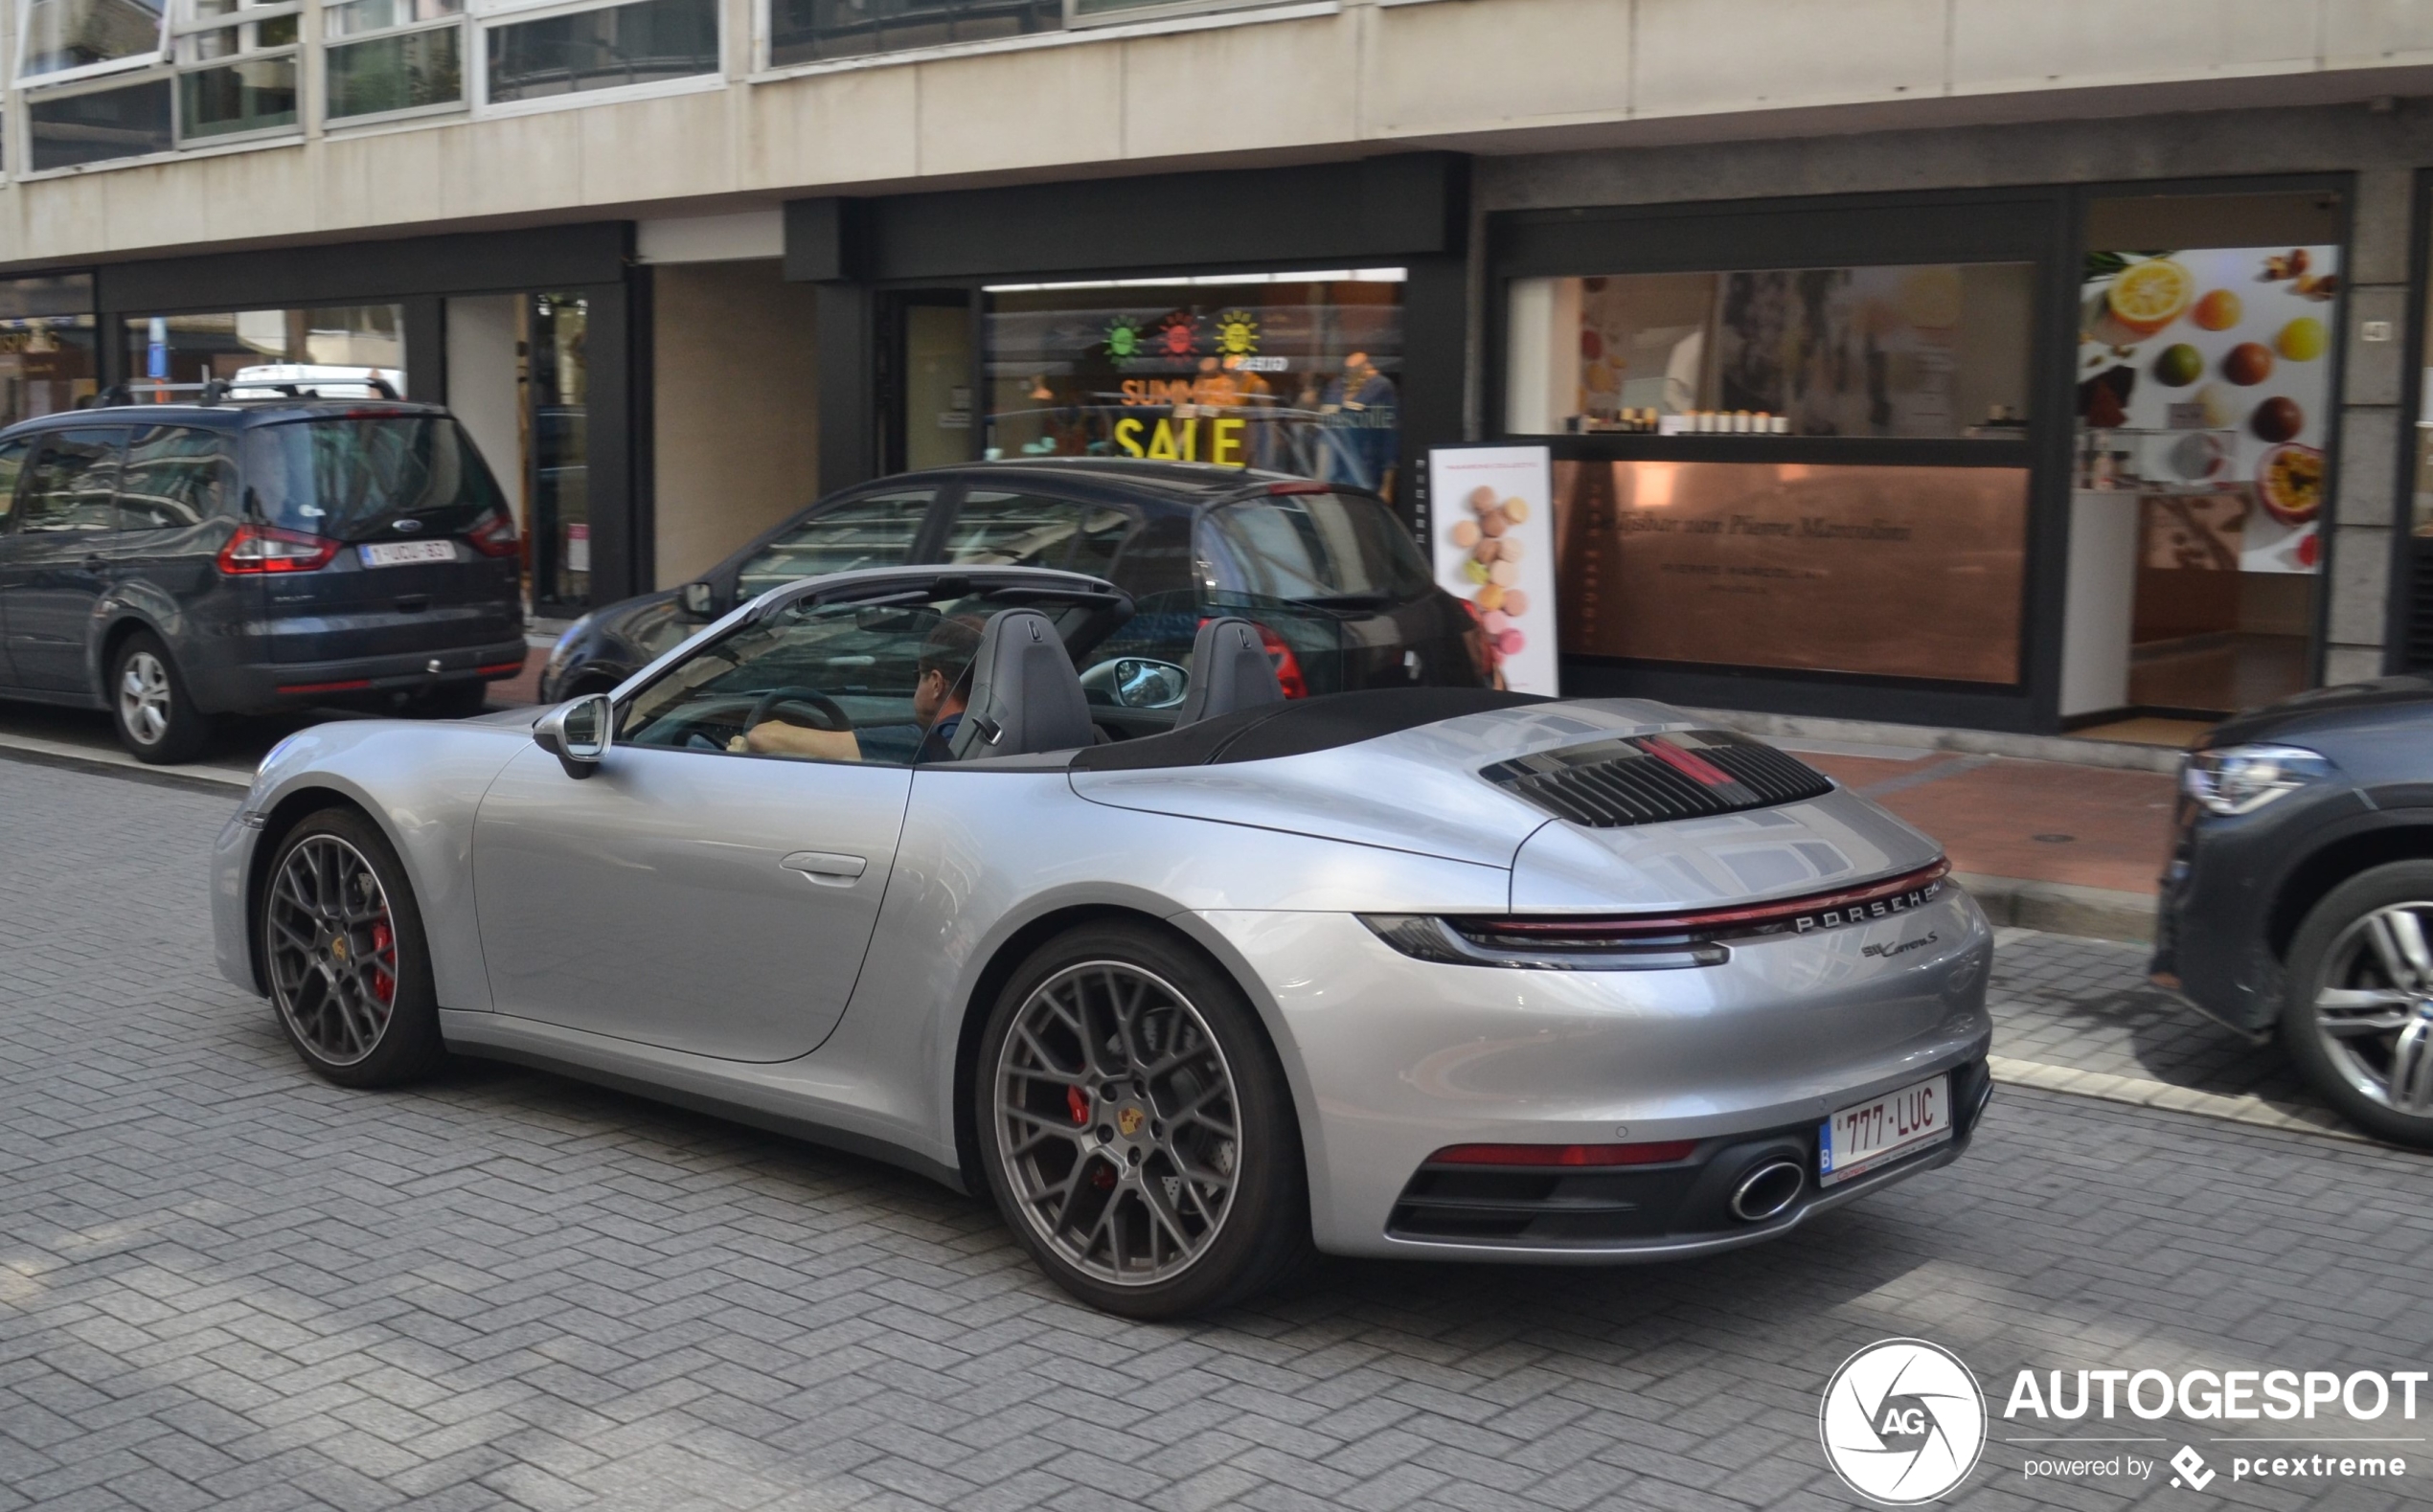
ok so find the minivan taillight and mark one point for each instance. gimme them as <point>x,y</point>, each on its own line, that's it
<point>493,535</point>
<point>268,548</point>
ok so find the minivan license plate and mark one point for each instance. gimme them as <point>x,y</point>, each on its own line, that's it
<point>397,553</point>
<point>1866,1134</point>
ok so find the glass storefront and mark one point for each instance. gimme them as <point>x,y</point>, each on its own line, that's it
<point>558,413</point>
<point>333,344</point>
<point>1295,372</point>
<point>47,356</point>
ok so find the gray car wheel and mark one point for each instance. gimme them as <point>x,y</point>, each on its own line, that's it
<point>1136,1129</point>
<point>157,722</point>
<point>343,955</point>
<point>2359,1014</point>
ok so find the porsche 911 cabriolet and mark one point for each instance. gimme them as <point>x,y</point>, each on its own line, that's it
<point>1434,972</point>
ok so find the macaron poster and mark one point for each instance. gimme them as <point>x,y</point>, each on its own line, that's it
<point>1492,527</point>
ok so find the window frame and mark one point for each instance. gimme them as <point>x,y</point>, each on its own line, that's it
<point>461,21</point>
<point>484,17</point>
<point>22,81</point>
<point>1177,15</point>
<point>182,67</point>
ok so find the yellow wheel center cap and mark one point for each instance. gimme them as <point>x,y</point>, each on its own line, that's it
<point>338,948</point>
<point>1128,1119</point>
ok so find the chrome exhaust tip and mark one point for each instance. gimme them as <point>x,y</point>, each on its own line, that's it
<point>1767,1190</point>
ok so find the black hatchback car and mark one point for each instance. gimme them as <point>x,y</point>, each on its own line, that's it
<point>1339,589</point>
<point>2299,895</point>
<point>170,562</point>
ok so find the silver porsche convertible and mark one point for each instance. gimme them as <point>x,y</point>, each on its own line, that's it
<point>1190,978</point>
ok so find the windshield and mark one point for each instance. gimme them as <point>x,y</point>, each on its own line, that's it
<point>348,477</point>
<point>1323,548</point>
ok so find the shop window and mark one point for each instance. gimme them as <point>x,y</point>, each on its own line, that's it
<point>651,42</point>
<point>1914,351</point>
<point>46,345</point>
<point>97,125</point>
<point>386,56</point>
<point>343,347</point>
<point>1896,571</point>
<point>558,395</point>
<point>809,31</point>
<point>1296,373</point>
<point>65,38</point>
<point>2203,433</point>
<point>236,67</point>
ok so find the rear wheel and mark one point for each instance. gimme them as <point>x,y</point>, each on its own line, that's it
<point>155,717</point>
<point>2359,1016</point>
<point>342,941</point>
<point>1136,1129</point>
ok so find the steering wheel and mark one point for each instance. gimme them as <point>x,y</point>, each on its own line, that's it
<point>827,714</point>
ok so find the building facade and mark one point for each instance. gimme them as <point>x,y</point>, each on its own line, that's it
<point>1953,361</point>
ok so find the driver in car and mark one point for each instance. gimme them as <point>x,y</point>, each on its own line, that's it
<point>942,685</point>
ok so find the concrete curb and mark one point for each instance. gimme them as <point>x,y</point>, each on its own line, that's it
<point>2062,907</point>
<point>2139,1093</point>
<point>2123,755</point>
<point>40,752</point>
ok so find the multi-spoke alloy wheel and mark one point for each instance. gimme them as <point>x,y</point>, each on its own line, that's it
<point>1117,1120</point>
<point>2375,1009</point>
<point>143,698</point>
<point>1135,1127</point>
<point>333,949</point>
<point>343,954</point>
<point>2359,1015</point>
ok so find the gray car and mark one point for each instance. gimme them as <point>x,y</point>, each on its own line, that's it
<point>1445,973</point>
<point>171,562</point>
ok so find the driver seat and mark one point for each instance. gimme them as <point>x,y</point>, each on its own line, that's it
<point>1229,671</point>
<point>1024,696</point>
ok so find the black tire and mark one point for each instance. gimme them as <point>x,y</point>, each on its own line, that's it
<point>340,1024</point>
<point>2335,950</point>
<point>1256,1234</point>
<point>155,717</point>
<point>458,700</point>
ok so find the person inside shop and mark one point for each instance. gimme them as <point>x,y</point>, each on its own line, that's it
<point>942,687</point>
<point>1358,413</point>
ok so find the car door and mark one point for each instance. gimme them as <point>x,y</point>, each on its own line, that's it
<point>13,456</point>
<point>712,889</point>
<point>57,559</point>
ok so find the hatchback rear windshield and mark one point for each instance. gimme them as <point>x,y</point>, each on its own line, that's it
<point>351,477</point>
<point>1342,549</point>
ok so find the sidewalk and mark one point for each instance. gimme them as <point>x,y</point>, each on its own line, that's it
<point>2046,844</point>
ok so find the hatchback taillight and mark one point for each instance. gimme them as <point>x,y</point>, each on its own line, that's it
<point>493,535</point>
<point>268,548</point>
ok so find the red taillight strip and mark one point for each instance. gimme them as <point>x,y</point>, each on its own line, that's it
<point>350,684</point>
<point>500,669</point>
<point>1710,921</point>
<point>1650,1153</point>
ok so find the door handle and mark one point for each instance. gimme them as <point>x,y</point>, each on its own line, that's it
<point>827,868</point>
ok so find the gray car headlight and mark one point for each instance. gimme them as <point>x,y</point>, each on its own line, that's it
<point>2241,780</point>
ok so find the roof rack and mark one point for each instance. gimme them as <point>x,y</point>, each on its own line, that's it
<point>224,391</point>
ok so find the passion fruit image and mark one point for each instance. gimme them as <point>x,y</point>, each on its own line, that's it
<point>2247,364</point>
<point>2278,419</point>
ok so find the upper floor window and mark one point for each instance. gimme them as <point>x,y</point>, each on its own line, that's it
<point>236,66</point>
<point>58,39</point>
<point>646,42</point>
<point>384,56</point>
<point>812,31</point>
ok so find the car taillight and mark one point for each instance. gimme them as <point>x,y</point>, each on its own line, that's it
<point>268,548</point>
<point>493,535</point>
<point>1287,665</point>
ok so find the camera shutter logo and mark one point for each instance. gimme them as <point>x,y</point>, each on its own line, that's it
<point>1903,1422</point>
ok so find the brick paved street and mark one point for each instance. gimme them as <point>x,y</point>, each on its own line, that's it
<point>224,1284</point>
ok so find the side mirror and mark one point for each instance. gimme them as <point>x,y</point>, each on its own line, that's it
<point>700,600</point>
<point>577,733</point>
<point>1138,681</point>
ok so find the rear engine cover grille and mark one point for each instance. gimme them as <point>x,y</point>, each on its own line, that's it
<point>1649,779</point>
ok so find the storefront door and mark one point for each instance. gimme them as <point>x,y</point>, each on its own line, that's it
<point>929,378</point>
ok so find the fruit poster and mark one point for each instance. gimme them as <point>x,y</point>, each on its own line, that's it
<point>1494,550</point>
<point>2211,368</point>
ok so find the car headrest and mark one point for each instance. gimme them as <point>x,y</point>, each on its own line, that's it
<point>1229,671</point>
<point>1024,696</point>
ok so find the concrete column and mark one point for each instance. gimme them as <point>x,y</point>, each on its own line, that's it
<point>2365,510</point>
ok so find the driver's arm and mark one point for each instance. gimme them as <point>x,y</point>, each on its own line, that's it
<point>777,737</point>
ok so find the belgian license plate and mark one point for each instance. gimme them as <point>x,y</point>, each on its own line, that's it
<point>1866,1134</point>
<point>397,553</point>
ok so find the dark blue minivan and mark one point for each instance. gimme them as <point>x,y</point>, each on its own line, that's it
<point>172,561</point>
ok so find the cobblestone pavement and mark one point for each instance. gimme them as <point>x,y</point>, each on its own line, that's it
<point>223,1284</point>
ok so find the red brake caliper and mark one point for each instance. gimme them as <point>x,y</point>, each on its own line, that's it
<point>1077,1103</point>
<point>384,984</point>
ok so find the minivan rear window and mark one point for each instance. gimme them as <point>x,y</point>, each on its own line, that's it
<point>1345,548</point>
<point>351,477</point>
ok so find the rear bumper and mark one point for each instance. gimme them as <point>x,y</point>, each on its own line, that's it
<point>273,685</point>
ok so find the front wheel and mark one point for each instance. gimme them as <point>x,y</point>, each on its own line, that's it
<point>155,717</point>
<point>1136,1129</point>
<point>343,946</point>
<point>2359,1018</point>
